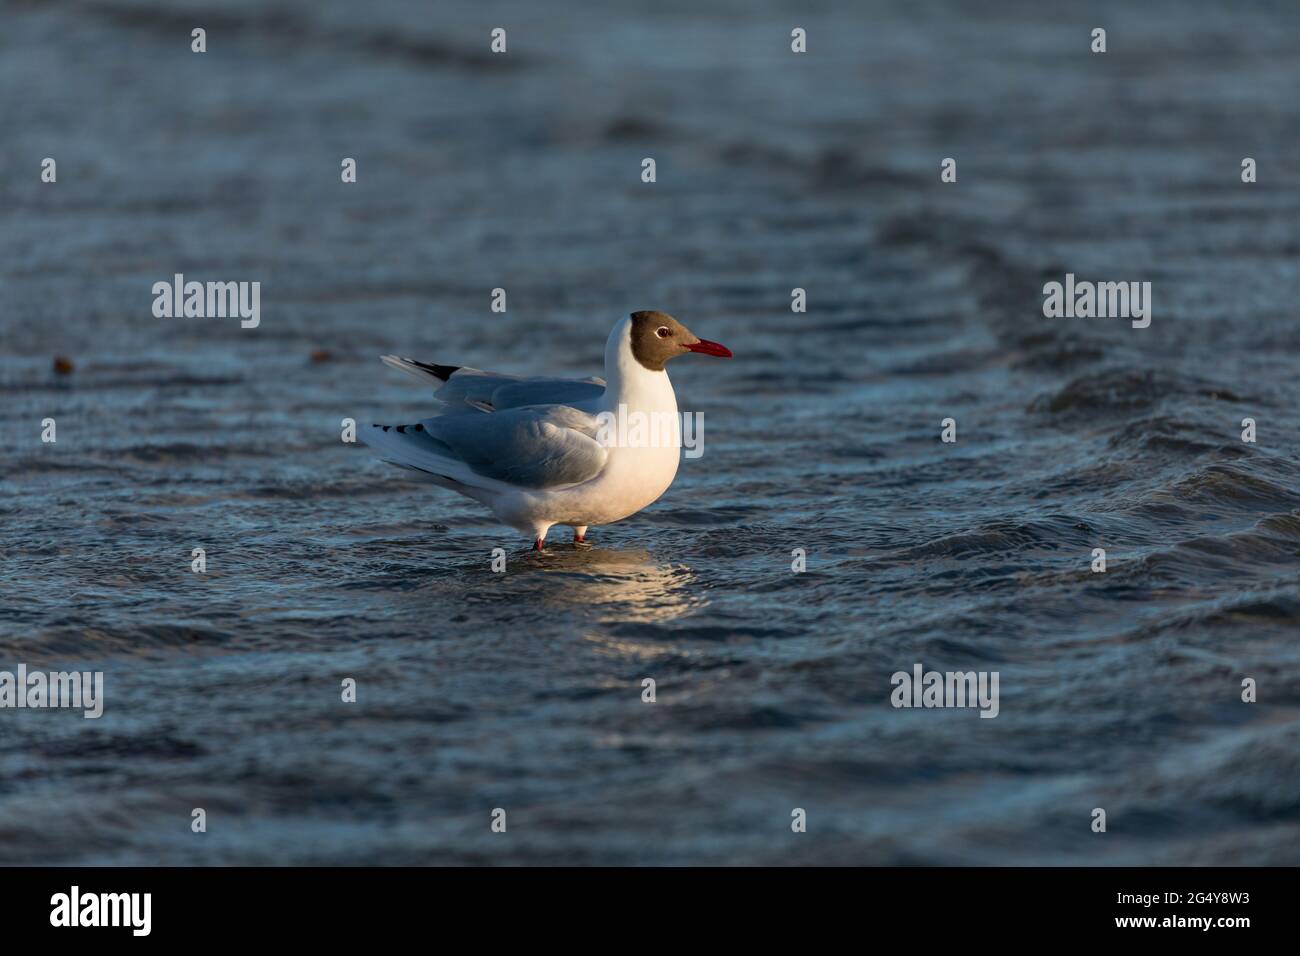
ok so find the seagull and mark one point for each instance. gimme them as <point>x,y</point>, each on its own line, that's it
<point>544,451</point>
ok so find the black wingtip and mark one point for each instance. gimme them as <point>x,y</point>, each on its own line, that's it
<point>443,372</point>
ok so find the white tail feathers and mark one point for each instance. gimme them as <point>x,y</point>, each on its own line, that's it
<point>408,447</point>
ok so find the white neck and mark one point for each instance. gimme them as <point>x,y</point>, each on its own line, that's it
<point>628,382</point>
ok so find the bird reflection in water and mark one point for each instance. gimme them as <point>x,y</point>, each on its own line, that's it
<point>611,586</point>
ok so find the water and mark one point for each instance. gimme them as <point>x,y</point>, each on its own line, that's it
<point>523,691</point>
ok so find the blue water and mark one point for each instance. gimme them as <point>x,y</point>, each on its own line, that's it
<point>522,690</point>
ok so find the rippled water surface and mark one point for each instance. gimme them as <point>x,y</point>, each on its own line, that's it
<point>775,171</point>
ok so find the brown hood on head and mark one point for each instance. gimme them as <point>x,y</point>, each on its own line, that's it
<point>658,337</point>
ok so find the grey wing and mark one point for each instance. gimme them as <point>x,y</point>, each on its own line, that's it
<point>546,391</point>
<point>464,389</point>
<point>490,391</point>
<point>535,447</point>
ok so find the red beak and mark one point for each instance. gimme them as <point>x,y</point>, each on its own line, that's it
<point>705,347</point>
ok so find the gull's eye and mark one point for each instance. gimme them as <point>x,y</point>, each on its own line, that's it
<point>662,332</point>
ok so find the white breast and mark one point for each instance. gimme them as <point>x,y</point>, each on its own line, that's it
<point>644,443</point>
<point>645,448</point>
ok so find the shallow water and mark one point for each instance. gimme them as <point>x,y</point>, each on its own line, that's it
<point>523,690</point>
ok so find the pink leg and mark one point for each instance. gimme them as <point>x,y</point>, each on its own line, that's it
<point>537,545</point>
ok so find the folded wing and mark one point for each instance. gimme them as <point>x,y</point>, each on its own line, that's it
<point>468,389</point>
<point>535,447</point>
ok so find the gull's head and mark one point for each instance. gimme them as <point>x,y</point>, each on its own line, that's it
<point>656,337</point>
